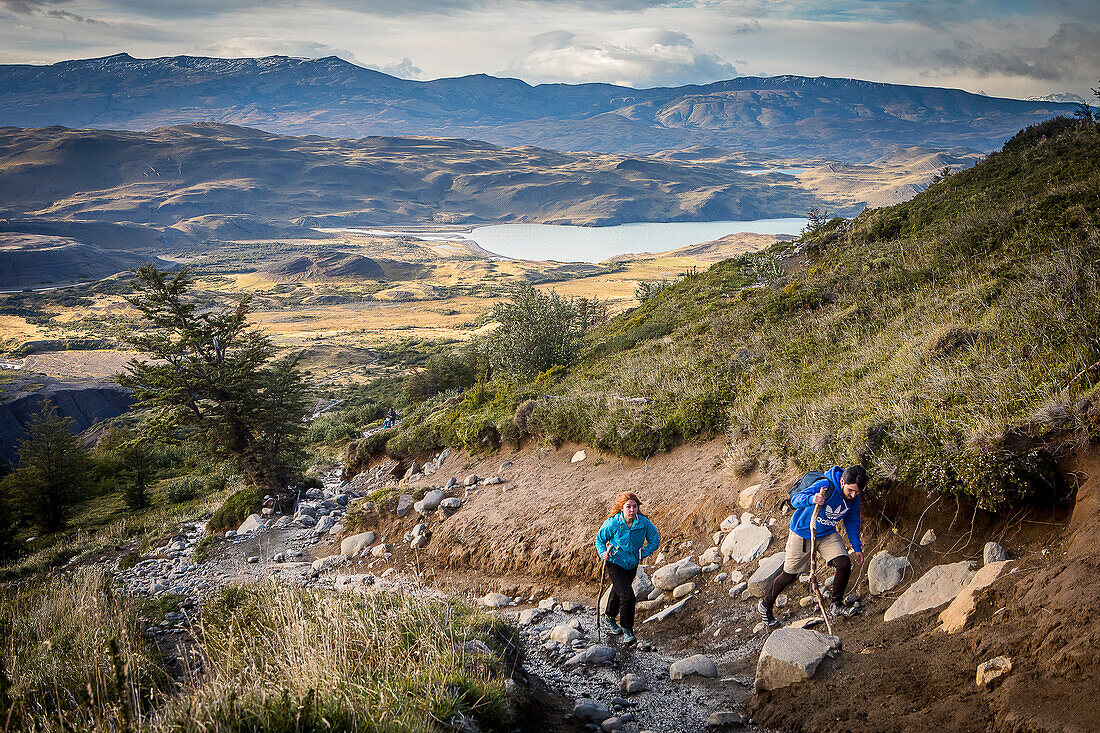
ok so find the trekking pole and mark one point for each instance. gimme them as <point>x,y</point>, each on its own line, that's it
<point>599,597</point>
<point>813,568</point>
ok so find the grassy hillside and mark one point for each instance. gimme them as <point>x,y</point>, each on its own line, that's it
<point>947,342</point>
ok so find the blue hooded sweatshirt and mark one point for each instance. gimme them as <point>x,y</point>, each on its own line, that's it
<point>836,509</point>
<point>626,543</point>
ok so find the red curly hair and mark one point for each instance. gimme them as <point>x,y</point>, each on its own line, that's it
<point>624,498</point>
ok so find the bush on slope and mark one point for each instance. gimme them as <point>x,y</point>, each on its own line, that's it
<point>946,342</point>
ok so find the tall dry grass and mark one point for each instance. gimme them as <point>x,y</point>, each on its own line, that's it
<point>74,657</point>
<point>276,658</point>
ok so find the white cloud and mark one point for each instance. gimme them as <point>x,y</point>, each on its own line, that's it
<point>404,69</point>
<point>639,57</point>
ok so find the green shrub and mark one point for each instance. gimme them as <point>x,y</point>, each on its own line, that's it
<point>236,509</point>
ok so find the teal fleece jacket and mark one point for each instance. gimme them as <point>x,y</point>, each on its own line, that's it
<point>629,545</point>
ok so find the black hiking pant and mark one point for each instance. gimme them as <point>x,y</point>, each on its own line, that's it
<point>621,601</point>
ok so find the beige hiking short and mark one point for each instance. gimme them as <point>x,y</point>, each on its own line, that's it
<point>797,560</point>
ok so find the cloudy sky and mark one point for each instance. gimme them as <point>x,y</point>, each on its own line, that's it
<point>1012,48</point>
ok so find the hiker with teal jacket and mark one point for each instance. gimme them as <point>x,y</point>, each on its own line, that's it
<point>623,542</point>
<point>837,493</point>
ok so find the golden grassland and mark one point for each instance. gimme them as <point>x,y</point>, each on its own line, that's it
<point>445,292</point>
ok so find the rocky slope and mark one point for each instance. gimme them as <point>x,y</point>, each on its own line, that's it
<point>784,115</point>
<point>518,539</point>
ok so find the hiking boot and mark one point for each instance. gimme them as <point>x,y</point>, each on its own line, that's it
<point>628,637</point>
<point>766,613</point>
<point>611,625</point>
<point>844,610</point>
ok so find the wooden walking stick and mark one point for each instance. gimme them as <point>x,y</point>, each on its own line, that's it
<point>813,568</point>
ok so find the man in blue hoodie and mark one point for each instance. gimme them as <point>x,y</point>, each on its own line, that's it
<point>838,496</point>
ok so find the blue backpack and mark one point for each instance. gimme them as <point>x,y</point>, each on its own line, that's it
<point>808,479</point>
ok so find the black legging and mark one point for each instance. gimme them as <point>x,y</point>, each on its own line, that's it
<point>622,592</point>
<point>843,567</point>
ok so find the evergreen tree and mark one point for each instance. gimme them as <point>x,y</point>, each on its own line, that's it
<point>53,468</point>
<point>218,378</point>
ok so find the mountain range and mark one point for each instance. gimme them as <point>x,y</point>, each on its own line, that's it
<point>792,116</point>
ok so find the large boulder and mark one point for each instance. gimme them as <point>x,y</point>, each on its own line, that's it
<point>357,544</point>
<point>674,574</point>
<point>254,523</point>
<point>885,572</point>
<point>791,655</point>
<point>762,578</point>
<point>697,664</point>
<point>746,542</point>
<point>954,617</point>
<point>936,587</point>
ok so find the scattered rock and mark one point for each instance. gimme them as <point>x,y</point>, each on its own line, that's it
<point>674,574</point>
<point>471,480</point>
<point>571,606</point>
<point>992,673</point>
<point>791,655</point>
<point>578,457</point>
<point>935,588</point>
<point>668,611</point>
<point>357,544</point>
<point>928,538</point>
<point>254,559</point>
<point>587,710</point>
<point>711,556</point>
<point>494,600</point>
<point>805,623</point>
<point>421,540</point>
<point>726,719</point>
<point>451,482</point>
<point>476,646</point>
<point>747,498</point>
<point>279,557</point>
<point>697,664</point>
<point>548,603</point>
<point>450,504</point>
<point>530,616</point>
<point>993,553</point>
<point>781,601</point>
<point>885,572</point>
<point>683,589</point>
<point>721,577</point>
<point>405,505</point>
<point>380,550</point>
<point>327,563</point>
<point>564,634</point>
<point>746,543</point>
<point>324,524</point>
<point>762,578</point>
<point>632,683</point>
<point>592,656</point>
<point>955,617</point>
<point>493,481</point>
<point>737,590</point>
<point>729,523</point>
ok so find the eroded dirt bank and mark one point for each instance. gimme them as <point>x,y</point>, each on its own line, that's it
<point>529,537</point>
